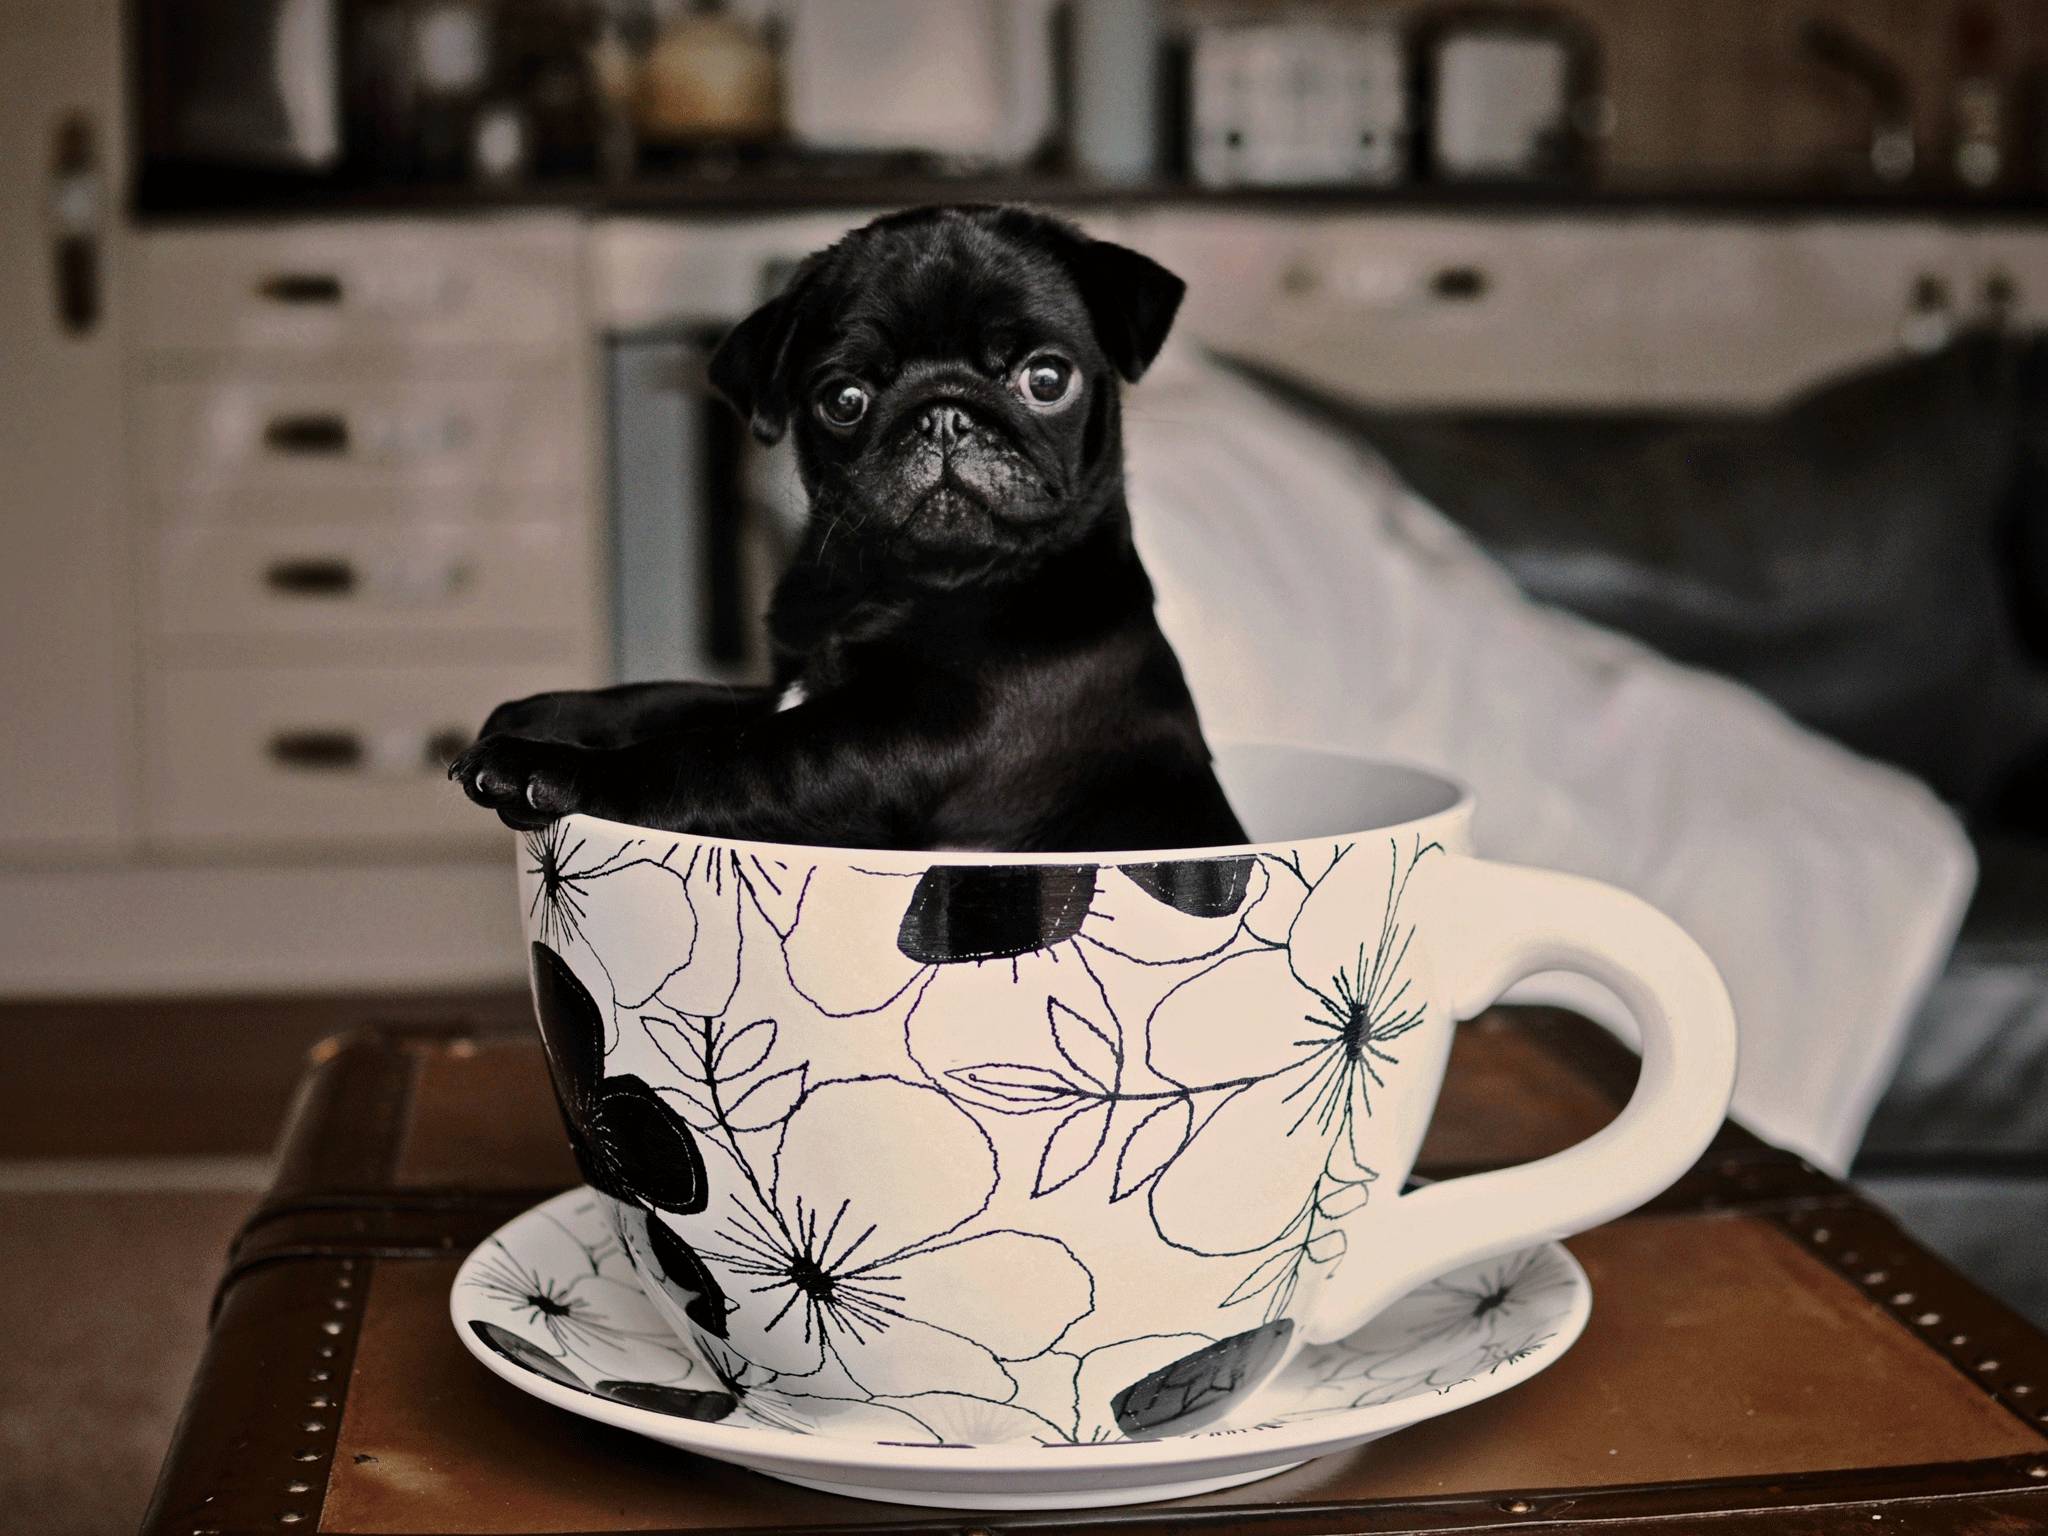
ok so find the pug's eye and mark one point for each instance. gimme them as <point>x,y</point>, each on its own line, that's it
<point>1046,381</point>
<point>842,403</point>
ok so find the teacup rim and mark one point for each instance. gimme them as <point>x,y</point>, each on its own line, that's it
<point>1459,807</point>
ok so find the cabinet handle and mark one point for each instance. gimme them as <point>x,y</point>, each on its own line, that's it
<point>1459,285</point>
<point>385,755</point>
<point>75,198</point>
<point>1930,318</point>
<point>2001,298</point>
<point>300,288</point>
<point>311,577</point>
<point>311,434</point>
<point>318,751</point>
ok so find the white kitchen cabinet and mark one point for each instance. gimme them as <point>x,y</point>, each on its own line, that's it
<point>417,583</point>
<point>261,757</point>
<point>239,440</point>
<point>66,645</point>
<point>1406,309</point>
<point>2006,276</point>
<point>1743,315</point>
<point>1609,310</point>
<point>317,289</point>
<point>368,494</point>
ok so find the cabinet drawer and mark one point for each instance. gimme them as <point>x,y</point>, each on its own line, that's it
<point>1409,310</point>
<point>319,288</point>
<point>243,437</point>
<point>228,579</point>
<point>248,757</point>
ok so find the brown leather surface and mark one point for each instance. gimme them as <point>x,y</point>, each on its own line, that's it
<point>257,1439</point>
<point>1509,1096</point>
<point>1765,1347</point>
<point>484,1117</point>
<point>1717,1348</point>
<point>184,1076</point>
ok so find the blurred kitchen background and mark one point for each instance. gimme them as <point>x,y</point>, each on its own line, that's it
<point>353,363</point>
<point>351,380</point>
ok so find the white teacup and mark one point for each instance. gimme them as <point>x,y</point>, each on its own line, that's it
<point>1080,1147</point>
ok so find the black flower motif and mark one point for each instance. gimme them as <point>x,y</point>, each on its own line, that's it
<point>679,1402</point>
<point>996,911</point>
<point>528,1357</point>
<point>680,1268</point>
<point>993,911</point>
<point>997,921</point>
<point>628,1142</point>
<point>1201,1387</point>
<point>1198,887</point>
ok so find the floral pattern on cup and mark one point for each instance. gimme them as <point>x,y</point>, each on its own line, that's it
<point>819,1225</point>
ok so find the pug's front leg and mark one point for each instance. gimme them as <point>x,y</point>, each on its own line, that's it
<point>628,712</point>
<point>530,782</point>
<point>858,768</point>
<point>545,757</point>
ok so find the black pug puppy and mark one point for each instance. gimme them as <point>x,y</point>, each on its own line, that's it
<point>964,645</point>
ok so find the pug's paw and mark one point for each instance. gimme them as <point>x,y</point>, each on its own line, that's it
<point>528,783</point>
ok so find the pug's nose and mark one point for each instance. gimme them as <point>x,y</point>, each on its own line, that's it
<point>945,424</point>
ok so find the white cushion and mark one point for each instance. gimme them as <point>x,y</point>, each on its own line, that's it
<point>1314,599</point>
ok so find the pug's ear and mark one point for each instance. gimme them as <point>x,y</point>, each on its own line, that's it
<point>750,364</point>
<point>1131,299</point>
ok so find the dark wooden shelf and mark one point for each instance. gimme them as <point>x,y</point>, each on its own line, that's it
<point>189,197</point>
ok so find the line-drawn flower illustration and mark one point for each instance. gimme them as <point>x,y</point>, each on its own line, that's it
<point>856,940</point>
<point>1446,1332</point>
<point>557,909</point>
<point>1109,1371</point>
<point>670,918</point>
<point>1068,1068</point>
<point>955,1418</point>
<point>801,1089</point>
<point>1042,1033</point>
<point>581,1314</point>
<point>1283,1050</point>
<point>858,1234</point>
<point>766,1399</point>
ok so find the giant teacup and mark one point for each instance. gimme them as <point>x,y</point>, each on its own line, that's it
<point>1078,1147</point>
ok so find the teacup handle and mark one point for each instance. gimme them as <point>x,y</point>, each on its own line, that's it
<point>1511,923</point>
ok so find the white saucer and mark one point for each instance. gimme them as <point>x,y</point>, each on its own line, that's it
<point>550,1303</point>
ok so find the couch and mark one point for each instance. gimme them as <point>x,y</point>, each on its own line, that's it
<point>1873,558</point>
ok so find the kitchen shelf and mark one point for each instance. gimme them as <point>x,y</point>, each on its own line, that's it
<point>186,196</point>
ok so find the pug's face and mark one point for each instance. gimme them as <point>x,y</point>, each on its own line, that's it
<point>950,377</point>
